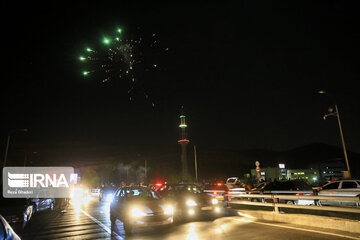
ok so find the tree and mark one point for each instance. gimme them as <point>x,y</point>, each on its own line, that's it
<point>91,178</point>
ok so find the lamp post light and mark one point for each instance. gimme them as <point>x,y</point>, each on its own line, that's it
<point>8,142</point>
<point>337,115</point>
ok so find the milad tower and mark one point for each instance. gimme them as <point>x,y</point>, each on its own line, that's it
<point>183,141</point>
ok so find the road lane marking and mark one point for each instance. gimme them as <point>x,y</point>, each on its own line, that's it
<point>299,229</point>
<point>103,226</point>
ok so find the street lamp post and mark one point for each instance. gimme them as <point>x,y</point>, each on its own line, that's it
<point>196,170</point>
<point>145,172</point>
<point>8,142</point>
<point>336,113</point>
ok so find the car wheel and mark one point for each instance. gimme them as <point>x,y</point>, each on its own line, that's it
<point>51,207</point>
<point>33,210</point>
<point>127,227</point>
<point>112,219</point>
<point>25,220</point>
<point>289,202</point>
<point>178,216</point>
<point>30,212</point>
<point>179,219</point>
<point>27,215</point>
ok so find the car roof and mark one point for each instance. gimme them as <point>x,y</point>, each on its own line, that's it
<point>285,184</point>
<point>344,180</point>
<point>134,187</point>
<point>181,184</point>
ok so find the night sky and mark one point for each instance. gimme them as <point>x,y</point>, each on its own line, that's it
<point>247,74</point>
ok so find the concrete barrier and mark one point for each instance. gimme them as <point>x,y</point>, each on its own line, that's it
<point>348,225</point>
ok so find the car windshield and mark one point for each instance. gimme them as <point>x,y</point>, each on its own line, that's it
<point>260,186</point>
<point>333,185</point>
<point>109,189</point>
<point>232,180</point>
<point>216,187</point>
<point>142,193</point>
<point>187,188</point>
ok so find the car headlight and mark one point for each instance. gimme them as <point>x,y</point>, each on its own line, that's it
<point>191,203</point>
<point>136,213</point>
<point>109,197</point>
<point>76,192</point>
<point>169,210</point>
<point>214,201</point>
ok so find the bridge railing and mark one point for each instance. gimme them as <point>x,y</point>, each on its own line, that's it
<point>246,199</point>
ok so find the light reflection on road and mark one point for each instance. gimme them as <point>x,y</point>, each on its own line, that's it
<point>229,227</point>
<point>191,232</point>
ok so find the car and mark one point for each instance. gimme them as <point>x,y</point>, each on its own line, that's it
<point>107,194</point>
<point>232,182</point>
<point>95,192</point>
<point>217,190</point>
<point>157,186</point>
<point>80,196</point>
<point>190,201</point>
<point>6,231</point>
<point>290,187</point>
<point>17,211</point>
<point>41,204</point>
<point>340,188</point>
<point>140,207</point>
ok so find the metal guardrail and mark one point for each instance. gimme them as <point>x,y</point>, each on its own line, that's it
<point>236,199</point>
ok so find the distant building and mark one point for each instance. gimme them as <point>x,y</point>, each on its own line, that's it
<point>268,174</point>
<point>332,168</point>
<point>311,175</point>
<point>281,173</point>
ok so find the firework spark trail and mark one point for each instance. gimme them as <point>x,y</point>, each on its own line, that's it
<point>121,58</point>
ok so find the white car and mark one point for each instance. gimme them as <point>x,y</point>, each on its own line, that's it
<point>95,192</point>
<point>6,231</point>
<point>340,188</point>
<point>232,182</point>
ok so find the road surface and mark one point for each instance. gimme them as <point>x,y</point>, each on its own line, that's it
<point>92,222</point>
